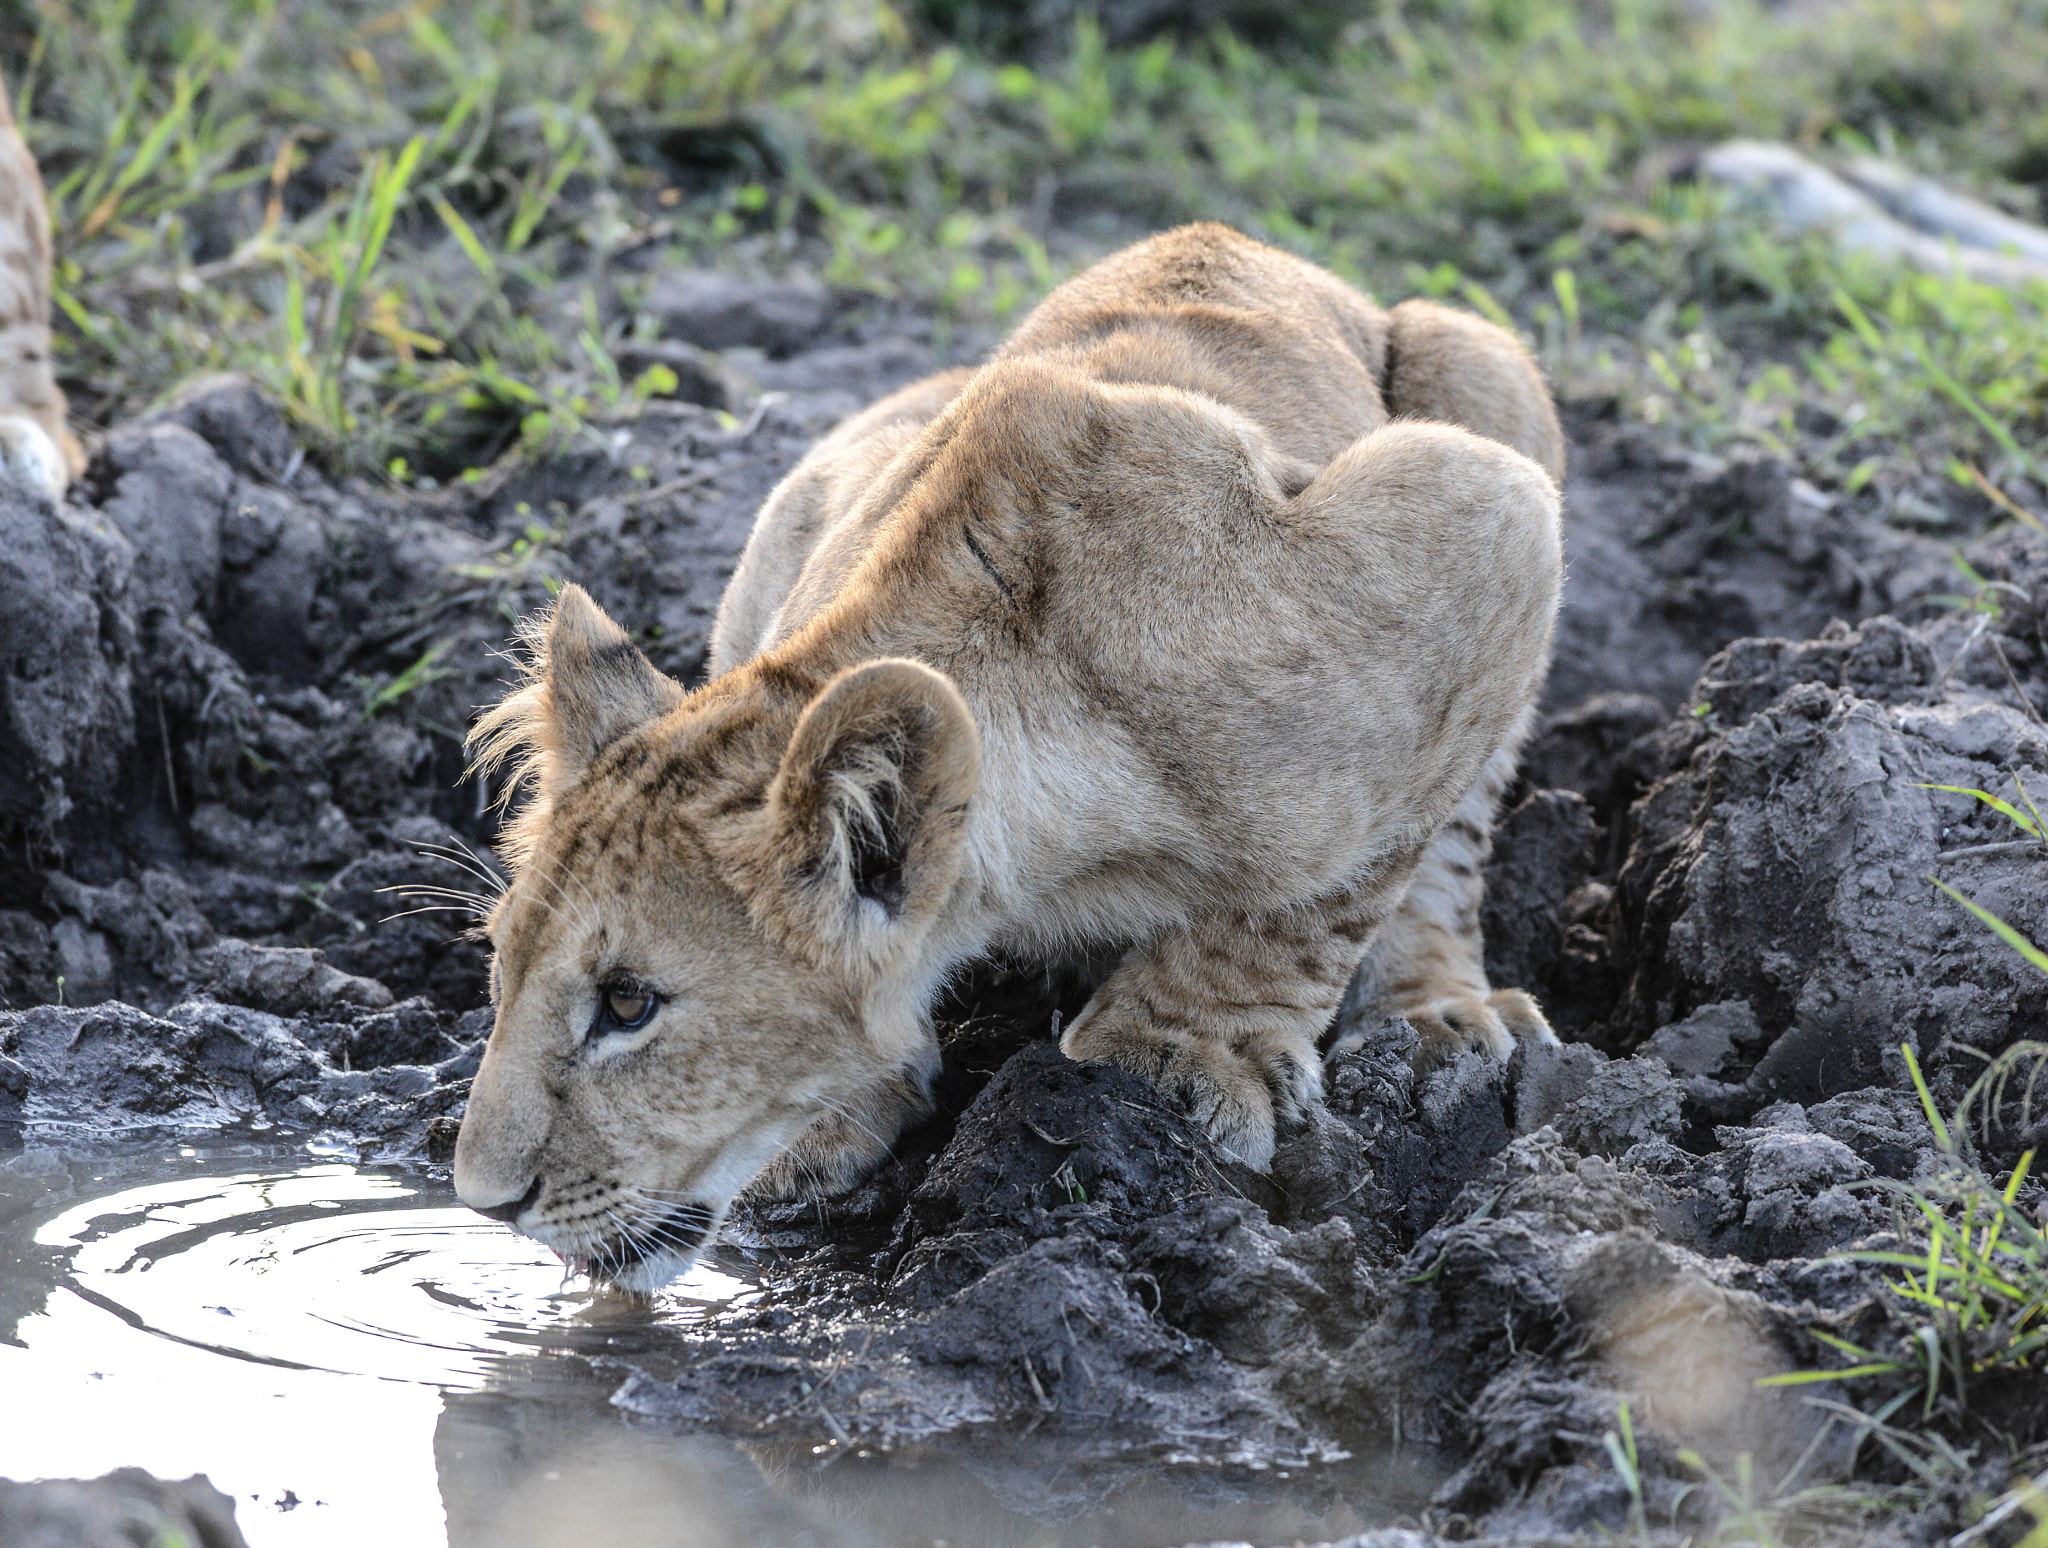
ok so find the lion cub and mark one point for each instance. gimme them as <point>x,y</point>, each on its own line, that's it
<point>1202,622</point>
<point>35,447</point>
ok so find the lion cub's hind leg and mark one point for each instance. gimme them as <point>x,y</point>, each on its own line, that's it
<point>1224,1016</point>
<point>1429,965</point>
<point>1459,370</point>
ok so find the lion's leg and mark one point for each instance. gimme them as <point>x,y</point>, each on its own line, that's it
<point>1457,369</point>
<point>1454,592</point>
<point>1224,1015</point>
<point>1428,964</point>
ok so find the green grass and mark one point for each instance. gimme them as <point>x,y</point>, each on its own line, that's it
<point>1973,1298</point>
<point>1964,1359</point>
<point>1965,1356</point>
<point>422,226</point>
<point>384,695</point>
<point>2030,822</point>
<point>1968,1309</point>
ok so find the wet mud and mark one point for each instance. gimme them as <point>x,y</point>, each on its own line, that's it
<point>233,780</point>
<point>125,1507</point>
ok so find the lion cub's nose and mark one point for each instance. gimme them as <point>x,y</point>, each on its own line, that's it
<point>511,1209</point>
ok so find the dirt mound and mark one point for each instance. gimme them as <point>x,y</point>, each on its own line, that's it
<point>238,690</point>
<point>1785,869</point>
<point>1078,1257</point>
<point>1673,554</point>
<point>387,1082</point>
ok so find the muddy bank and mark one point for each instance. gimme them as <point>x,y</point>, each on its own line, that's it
<point>239,689</point>
<point>234,723</point>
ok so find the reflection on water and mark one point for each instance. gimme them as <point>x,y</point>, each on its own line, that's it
<point>289,1332</point>
<point>357,1359</point>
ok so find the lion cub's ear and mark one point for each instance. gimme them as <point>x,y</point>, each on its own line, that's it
<point>599,684</point>
<point>868,806</point>
<point>587,686</point>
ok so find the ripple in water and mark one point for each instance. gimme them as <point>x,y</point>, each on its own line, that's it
<point>291,1332</point>
<point>358,1360</point>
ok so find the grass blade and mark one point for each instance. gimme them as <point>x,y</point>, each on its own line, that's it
<point>1998,927</point>
<point>2026,824</point>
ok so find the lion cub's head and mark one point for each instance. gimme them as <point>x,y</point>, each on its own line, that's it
<point>709,969</point>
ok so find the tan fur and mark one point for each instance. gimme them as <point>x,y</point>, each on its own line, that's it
<point>35,445</point>
<point>1162,631</point>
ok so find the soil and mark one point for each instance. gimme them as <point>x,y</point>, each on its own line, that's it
<point>232,724</point>
<point>118,1511</point>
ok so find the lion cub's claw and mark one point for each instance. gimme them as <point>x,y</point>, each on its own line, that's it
<point>1243,1099</point>
<point>1491,1024</point>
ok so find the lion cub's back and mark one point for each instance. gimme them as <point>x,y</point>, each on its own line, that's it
<point>24,241</point>
<point>1205,308</point>
<point>1205,265</point>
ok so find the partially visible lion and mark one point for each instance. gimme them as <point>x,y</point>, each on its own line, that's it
<point>1202,623</point>
<point>35,446</point>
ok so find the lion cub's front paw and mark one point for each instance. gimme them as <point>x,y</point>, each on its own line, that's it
<point>1240,1096</point>
<point>1492,1024</point>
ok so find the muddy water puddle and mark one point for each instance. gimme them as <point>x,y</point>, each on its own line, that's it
<point>357,1359</point>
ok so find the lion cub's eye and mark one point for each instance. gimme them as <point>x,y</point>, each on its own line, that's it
<point>624,1006</point>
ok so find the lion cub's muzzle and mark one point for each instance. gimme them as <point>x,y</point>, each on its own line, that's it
<point>512,1209</point>
<point>662,1240</point>
<point>624,1236</point>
